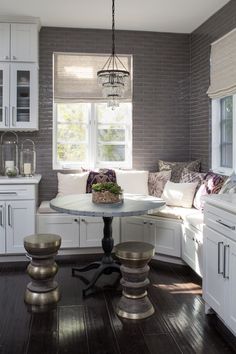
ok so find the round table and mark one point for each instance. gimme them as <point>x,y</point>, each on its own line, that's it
<point>81,204</point>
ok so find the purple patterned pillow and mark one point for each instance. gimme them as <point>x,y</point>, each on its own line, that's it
<point>211,184</point>
<point>157,181</point>
<point>100,177</point>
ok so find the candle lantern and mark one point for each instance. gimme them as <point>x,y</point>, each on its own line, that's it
<point>27,158</point>
<point>9,149</point>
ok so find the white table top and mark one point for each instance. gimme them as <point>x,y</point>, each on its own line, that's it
<point>81,204</point>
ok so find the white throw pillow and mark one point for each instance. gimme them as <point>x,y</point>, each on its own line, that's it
<point>134,182</point>
<point>72,183</point>
<point>179,194</point>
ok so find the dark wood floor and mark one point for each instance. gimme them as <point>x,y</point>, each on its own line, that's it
<point>90,326</point>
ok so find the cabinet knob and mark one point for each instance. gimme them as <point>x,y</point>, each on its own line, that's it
<point>75,220</point>
<point>6,57</point>
<point>14,57</point>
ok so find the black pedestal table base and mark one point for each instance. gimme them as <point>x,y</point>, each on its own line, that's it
<point>107,265</point>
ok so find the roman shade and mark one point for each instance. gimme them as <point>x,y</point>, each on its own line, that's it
<point>223,66</point>
<point>75,77</point>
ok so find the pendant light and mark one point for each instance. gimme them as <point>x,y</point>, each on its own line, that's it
<point>114,76</point>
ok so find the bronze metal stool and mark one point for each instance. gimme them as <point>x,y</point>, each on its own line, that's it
<point>134,256</point>
<point>43,289</point>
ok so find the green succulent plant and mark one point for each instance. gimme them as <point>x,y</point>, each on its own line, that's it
<point>107,186</point>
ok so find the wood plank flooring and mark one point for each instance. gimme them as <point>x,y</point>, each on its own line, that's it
<point>91,326</point>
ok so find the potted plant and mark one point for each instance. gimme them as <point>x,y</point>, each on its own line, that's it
<point>106,193</point>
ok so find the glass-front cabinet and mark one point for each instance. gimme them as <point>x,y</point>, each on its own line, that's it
<point>18,96</point>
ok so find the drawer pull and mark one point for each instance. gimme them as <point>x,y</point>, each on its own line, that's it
<point>231,227</point>
<point>1,215</point>
<point>9,216</point>
<point>8,193</point>
<point>225,254</point>
<point>219,253</point>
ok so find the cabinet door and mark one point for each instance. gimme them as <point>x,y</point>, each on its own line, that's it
<point>133,229</point>
<point>91,231</point>
<point>24,97</point>
<point>2,228</point>
<point>24,42</point>
<point>230,303</point>
<point>20,222</point>
<point>189,248</point>
<point>4,94</point>
<point>4,41</point>
<point>213,281</point>
<point>66,226</point>
<point>168,238</point>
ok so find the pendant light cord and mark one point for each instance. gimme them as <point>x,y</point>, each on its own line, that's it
<point>113,33</point>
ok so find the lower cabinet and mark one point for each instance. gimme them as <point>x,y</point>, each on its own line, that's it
<point>219,278</point>
<point>91,231</point>
<point>164,235</point>
<point>17,220</point>
<point>192,249</point>
<point>66,226</point>
<point>76,231</point>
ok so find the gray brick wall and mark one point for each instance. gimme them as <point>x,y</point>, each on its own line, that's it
<point>161,94</point>
<point>200,108</point>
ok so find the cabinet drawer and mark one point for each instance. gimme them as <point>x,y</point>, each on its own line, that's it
<point>14,192</point>
<point>221,221</point>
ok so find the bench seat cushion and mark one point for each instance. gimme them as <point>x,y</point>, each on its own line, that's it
<point>44,208</point>
<point>190,216</point>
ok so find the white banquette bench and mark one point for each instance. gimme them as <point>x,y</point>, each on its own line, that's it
<point>176,232</point>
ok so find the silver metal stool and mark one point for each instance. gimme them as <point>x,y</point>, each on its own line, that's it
<point>42,249</point>
<point>134,257</point>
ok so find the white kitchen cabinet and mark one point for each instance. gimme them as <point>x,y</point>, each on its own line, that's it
<point>18,200</point>
<point>164,235</point>
<point>192,249</point>
<point>219,277</point>
<point>19,42</point>
<point>5,29</point>
<point>91,231</point>
<point>64,225</point>
<point>18,96</point>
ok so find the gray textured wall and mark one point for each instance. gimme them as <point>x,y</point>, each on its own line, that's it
<point>200,107</point>
<point>160,96</point>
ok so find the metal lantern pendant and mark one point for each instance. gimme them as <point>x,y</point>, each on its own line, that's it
<point>114,76</point>
<point>9,149</point>
<point>27,158</point>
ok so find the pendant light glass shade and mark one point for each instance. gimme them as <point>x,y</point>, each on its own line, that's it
<point>113,77</point>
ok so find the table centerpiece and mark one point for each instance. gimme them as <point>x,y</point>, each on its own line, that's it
<point>107,193</point>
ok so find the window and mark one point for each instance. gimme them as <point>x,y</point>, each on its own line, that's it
<point>87,133</point>
<point>224,134</point>
<point>222,91</point>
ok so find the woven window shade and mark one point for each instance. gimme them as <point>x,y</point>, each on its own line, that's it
<point>75,77</point>
<point>223,66</point>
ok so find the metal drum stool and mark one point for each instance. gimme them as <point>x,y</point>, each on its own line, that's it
<point>43,289</point>
<point>134,256</point>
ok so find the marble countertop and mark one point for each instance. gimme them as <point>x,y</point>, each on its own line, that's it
<point>81,204</point>
<point>225,201</point>
<point>20,180</point>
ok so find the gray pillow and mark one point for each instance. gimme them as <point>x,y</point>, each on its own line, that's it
<point>177,168</point>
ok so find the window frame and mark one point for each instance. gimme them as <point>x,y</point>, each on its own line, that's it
<point>92,162</point>
<point>216,138</point>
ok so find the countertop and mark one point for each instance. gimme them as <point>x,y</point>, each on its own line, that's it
<point>20,180</point>
<point>224,201</point>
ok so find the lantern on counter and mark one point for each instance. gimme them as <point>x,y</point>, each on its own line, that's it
<point>9,149</point>
<point>27,158</point>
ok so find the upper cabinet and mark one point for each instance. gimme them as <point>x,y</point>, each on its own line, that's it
<point>19,75</point>
<point>19,42</point>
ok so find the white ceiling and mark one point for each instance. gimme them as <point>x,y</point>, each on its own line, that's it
<point>144,15</point>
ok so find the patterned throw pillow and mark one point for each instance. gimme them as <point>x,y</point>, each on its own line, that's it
<point>100,177</point>
<point>177,168</point>
<point>211,184</point>
<point>157,181</point>
<point>192,176</point>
